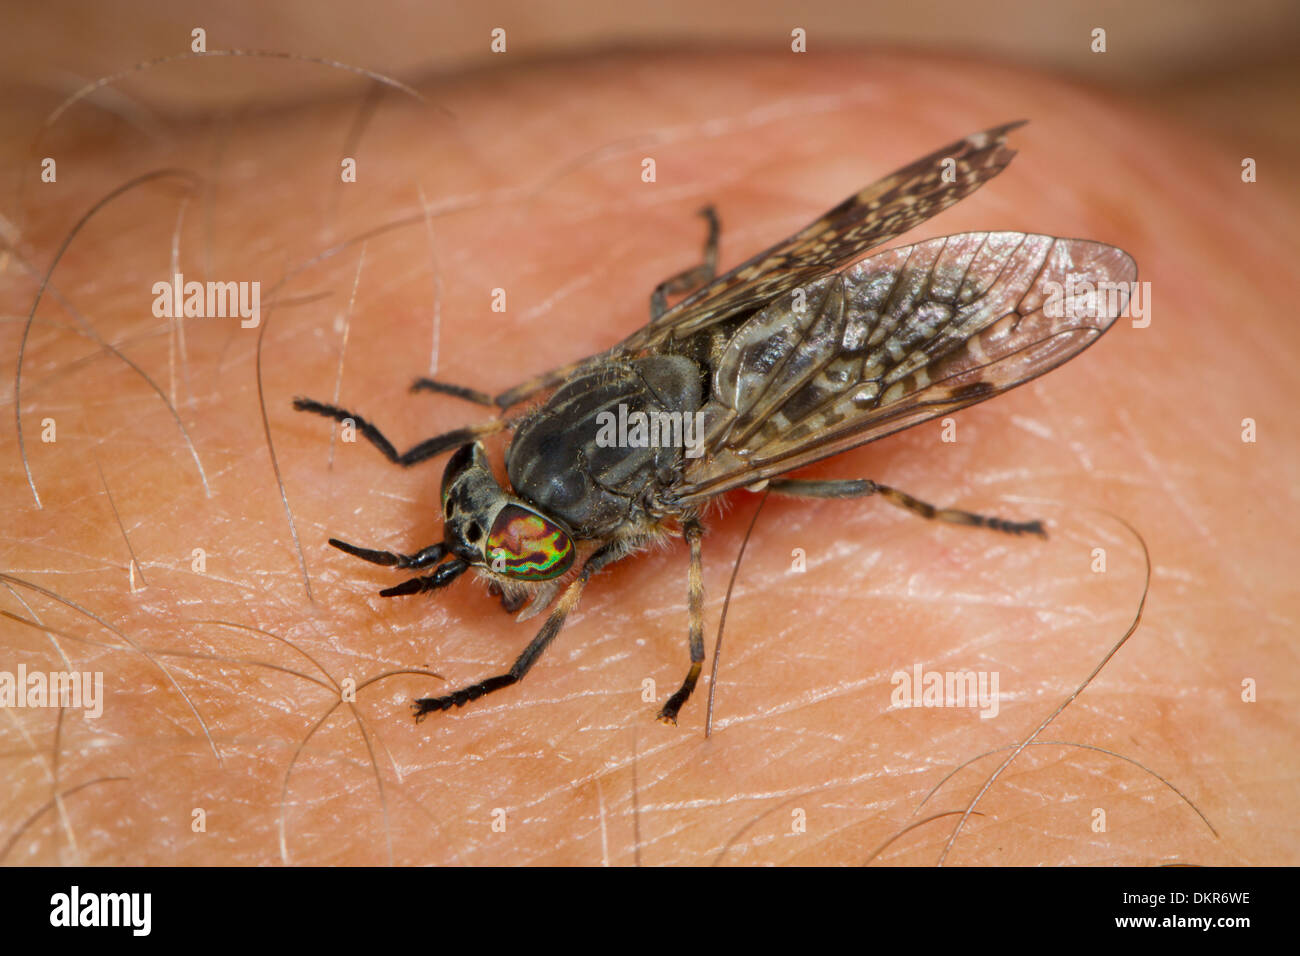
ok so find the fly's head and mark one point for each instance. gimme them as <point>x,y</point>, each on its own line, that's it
<point>488,528</point>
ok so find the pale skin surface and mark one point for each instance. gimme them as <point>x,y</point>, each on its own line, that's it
<point>543,164</point>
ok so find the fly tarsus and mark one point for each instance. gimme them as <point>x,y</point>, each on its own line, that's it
<point>602,556</point>
<point>424,706</point>
<point>693,278</point>
<point>864,487</point>
<point>668,713</point>
<point>693,533</point>
<point>423,451</point>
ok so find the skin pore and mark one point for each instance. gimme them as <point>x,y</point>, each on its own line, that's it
<point>532,178</point>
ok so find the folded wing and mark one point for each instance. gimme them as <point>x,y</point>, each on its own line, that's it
<point>875,215</point>
<point>906,335</point>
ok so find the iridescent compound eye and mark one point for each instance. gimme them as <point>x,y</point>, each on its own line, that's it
<point>524,545</point>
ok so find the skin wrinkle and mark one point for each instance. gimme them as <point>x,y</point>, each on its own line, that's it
<point>901,591</point>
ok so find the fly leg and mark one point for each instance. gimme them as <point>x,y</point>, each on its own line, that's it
<point>423,451</point>
<point>695,599</point>
<point>519,393</point>
<point>456,391</point>
<point>604,555</point>
<point>691,279</point>
<point>863,487</point>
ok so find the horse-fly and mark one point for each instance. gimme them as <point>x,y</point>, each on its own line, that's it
<point>795,355</point>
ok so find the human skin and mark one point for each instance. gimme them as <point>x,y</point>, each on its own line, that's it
<point>534,186</point>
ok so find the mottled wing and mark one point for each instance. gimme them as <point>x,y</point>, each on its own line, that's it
<point>906,335</point>
<point>875,215</point>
